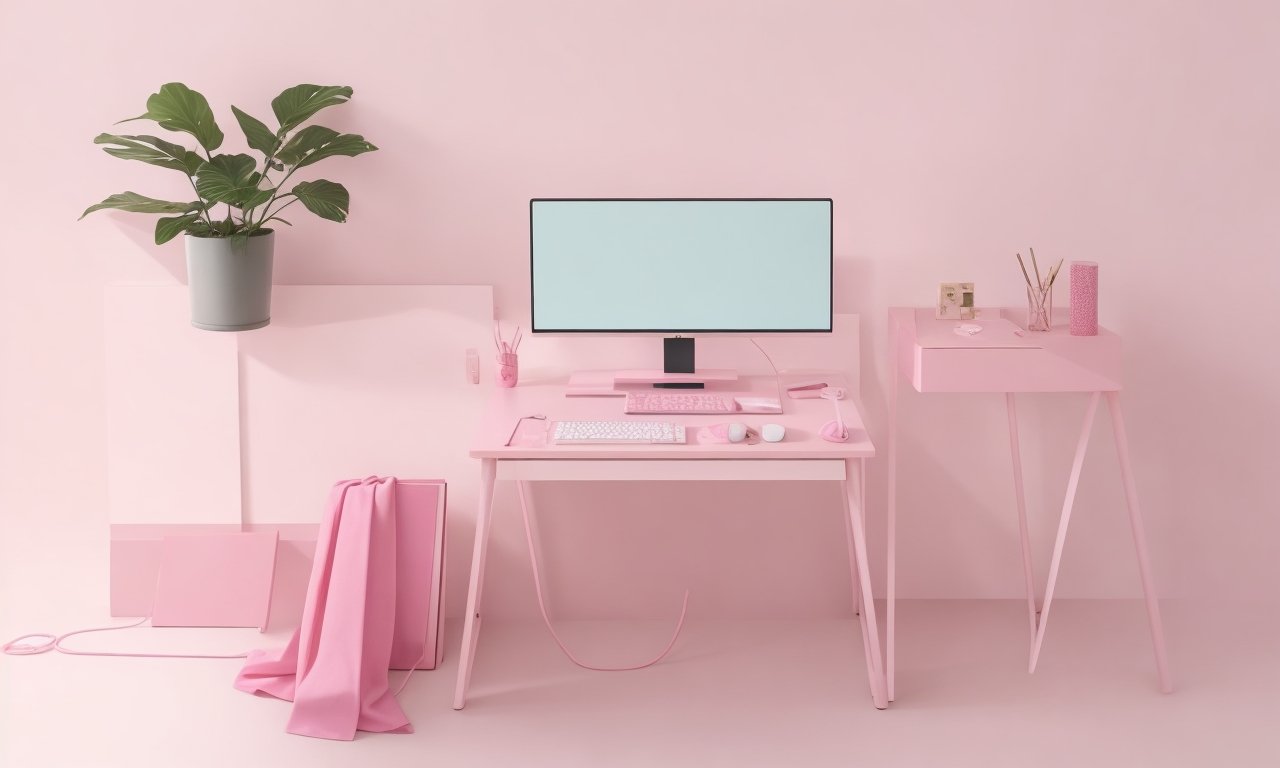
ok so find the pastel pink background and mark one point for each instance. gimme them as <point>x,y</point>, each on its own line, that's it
<point>1140,135</point>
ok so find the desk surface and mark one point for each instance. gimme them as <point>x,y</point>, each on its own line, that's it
<point>929,355</point>
<point>802,419</point>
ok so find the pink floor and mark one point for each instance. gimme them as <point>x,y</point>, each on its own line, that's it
<point>780,693</point>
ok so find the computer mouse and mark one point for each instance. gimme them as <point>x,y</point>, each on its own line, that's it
<point>773,433</point>
<point>735,432</point>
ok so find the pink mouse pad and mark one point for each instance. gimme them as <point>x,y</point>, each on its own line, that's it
<point>215,580</point>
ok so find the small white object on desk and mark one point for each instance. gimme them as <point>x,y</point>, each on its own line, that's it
<point>773,433</point>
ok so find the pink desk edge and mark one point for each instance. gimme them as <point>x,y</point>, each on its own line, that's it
<point>802,419</point>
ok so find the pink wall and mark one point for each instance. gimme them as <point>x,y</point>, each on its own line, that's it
<point>1141,135</point>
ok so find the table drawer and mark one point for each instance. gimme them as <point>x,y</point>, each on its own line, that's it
<point>1071,365</point>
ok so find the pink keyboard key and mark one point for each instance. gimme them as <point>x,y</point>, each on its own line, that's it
<point>679,402</point>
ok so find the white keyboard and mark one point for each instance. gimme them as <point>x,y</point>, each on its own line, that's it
<point>646,401</point>
<point>618,432</point>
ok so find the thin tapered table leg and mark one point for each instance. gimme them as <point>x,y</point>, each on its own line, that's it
<point>853,556</point>
<point>867,617</point>
<point>1139,541</point>
<point>1067,503</point>
<point>1028,574</point>
<point>891,525</point>
<point>471,624</point>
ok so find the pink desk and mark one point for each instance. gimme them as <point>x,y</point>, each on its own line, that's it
<point>932,358</point>
<point>803,455</point>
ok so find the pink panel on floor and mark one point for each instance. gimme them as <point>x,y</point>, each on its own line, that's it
<point>135,565</point>
<point>218,580</point>
<point>294,556</point>
<point>135,562</point>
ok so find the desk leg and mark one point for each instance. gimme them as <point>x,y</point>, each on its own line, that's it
<point>891,524</point>
<point>1067,503</point>
<point>471,624</point>
<point>1139,541</point>
<point>867,616</point>
<point>853,561</point>
<point>1028,574</point>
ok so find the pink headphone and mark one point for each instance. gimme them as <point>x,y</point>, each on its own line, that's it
<point>834,431</point>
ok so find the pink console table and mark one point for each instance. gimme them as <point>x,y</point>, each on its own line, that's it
<point>512,447</point>
<point>1003,358</point>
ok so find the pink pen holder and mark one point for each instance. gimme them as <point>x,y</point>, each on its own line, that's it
<point>508,370</point>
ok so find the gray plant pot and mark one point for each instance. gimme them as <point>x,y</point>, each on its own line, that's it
<point>230,281</point>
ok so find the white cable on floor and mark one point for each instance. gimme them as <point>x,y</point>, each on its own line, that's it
<point>16,647</point>
<point>546,618</point>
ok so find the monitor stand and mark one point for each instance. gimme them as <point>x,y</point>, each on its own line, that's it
<point>677,357</point>
<point>678,372</point>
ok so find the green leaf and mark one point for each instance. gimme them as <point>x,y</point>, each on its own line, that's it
<point>304,141</point>
<point>228,179</point>
<point>169,227</point>
<point>136,203</point>
<point>282,221</point>
<point>150,149</point>
<point>315,142</point>
<point>296,104</point>
<point>178,108</point>
<point>258,134</point>
<point>348,145</point>
<point>325,199</point>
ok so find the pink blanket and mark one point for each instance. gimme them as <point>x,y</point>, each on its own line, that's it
<point>334,669</point>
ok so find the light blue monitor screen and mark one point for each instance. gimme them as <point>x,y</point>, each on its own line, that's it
<point>681,265</point>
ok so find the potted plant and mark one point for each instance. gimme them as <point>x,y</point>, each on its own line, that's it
<point>229,255</point>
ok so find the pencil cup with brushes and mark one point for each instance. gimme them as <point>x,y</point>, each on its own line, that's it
<point>508,371</point>
<point>1039,294</point>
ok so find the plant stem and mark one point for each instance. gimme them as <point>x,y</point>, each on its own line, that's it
<point>277,195</point>
<point>204,209</point>
<point>267,218</point>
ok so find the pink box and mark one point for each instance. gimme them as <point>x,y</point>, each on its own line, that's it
<point>420,509</point>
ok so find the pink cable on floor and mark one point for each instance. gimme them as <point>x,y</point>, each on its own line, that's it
<point>542,605</point>
<point>16,647</point>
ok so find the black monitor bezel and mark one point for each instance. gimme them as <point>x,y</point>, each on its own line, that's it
<point>831,282</point>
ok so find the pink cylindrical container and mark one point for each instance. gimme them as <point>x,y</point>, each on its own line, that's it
<point>1084,298</point>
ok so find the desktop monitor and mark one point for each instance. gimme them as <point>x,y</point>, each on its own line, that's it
<point>681,266</point>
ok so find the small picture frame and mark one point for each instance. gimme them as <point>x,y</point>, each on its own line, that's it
<point>955,301</point>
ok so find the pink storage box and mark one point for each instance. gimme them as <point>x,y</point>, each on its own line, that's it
<point>420,522</point>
